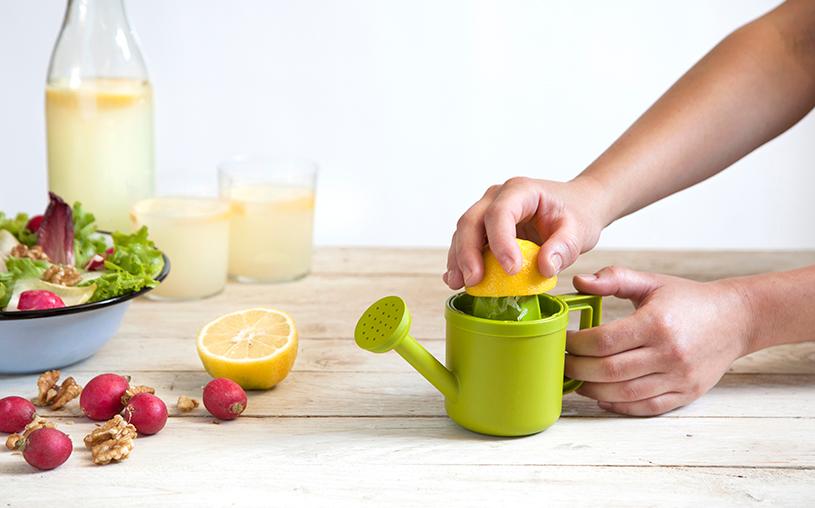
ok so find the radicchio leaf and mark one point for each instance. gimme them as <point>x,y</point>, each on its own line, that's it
<point>56,233</point>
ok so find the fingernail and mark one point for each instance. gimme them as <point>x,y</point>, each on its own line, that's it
<point>467,275</point>
<point>604,405</point>
<point>587,276</point>
<point>557,261</point>
<point>509,265</point>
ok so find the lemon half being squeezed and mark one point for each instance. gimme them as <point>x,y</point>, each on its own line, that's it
<point>528,280</point>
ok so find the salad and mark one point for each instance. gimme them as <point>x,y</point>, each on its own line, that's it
<point>59,259</point>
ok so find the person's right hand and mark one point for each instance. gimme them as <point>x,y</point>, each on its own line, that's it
<point>564,218</point>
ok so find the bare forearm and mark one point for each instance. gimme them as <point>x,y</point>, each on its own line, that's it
<point>780,307</point>
<point>753,86</point>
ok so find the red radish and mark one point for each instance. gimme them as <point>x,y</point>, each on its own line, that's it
<point>102,396</point>
<point>34,223</point>
<point>224,398</point>
<point>146,412</point>
<point>47,448</point>
<point>39,299</point>
<point>15,414</point>
<point>97,262</point>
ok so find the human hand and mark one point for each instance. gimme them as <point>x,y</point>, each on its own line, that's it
<point>566,218</point>
<point>677,344</point>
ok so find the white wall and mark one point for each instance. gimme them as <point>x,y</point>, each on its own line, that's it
<point>414,107</point>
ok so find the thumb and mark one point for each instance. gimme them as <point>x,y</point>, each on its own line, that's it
<point>619,282</point>
<point>559,251</point>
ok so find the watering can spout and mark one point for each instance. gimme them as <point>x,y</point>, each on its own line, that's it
<point>385,325</point>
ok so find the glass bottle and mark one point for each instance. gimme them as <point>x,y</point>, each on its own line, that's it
<point>99,113</point>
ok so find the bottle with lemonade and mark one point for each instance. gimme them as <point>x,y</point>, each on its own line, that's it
<point>99,113</point>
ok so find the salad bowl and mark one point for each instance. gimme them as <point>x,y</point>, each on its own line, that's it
<point>65,285</point>
<point>38,340</point>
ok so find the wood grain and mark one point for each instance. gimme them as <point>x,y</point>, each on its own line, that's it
<point>315,393</point>
<point>351,428</point>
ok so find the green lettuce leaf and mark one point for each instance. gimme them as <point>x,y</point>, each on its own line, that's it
<point>136,254</point>
<point>133,265</point>
<point>25,268</point>
<point>118,282</point>
<point>5,295</point>
<point>18,269</point>
<point>87,242</point>
<point>17,226</point>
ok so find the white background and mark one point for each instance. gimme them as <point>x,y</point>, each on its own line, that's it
<point>414,107</point>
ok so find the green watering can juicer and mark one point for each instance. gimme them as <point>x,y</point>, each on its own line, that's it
<point>502,378</point>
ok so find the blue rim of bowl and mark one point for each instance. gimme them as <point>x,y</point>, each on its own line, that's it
<point>75,309</point>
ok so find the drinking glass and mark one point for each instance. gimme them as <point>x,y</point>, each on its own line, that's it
<point>194,233</point>
<point>272,217</point>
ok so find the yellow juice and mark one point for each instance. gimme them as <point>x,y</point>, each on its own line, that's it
<point>100,145</point>
<point>271,232</point>
<point>194,234</point>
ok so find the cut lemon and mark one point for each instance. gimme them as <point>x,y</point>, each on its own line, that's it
<point>528,280</point>
<point>255,348</point>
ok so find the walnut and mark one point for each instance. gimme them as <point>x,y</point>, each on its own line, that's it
<point>112,441</point>
<point>52,395</point>
<point>24,251</point>
<point>135,390</point>
<point>66,275</point>
<point>68,391</point>
<point>186,404</point>
<point>16,441</point>
<point>45,384</point>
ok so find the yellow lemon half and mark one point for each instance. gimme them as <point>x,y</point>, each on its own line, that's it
<point>528,280</point>
<point>256,348</point>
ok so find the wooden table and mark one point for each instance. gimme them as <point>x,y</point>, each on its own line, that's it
<point>351,427</point>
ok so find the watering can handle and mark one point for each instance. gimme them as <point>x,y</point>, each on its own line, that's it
<point>591,313</point>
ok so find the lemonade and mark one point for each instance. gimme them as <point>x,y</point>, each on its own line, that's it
<point>100,145</point>
<point>194,234</point>
<point>271,231</point>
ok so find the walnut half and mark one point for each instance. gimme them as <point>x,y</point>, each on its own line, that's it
<point>111,442</point>
<point>66,275</point>
<point>53,395</point>
<point>135,390</point>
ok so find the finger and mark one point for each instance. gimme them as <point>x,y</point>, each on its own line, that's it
<point>633,390</point>
<point>470,238</point>
<point>453,277</point>
<point>560,249</point>
<point>514,203</point>
<point>606,340</point>
<point>653,406</point>
<point>608,369</point>
<point>619,282</point>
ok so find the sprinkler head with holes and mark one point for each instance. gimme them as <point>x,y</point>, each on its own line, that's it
<point>385,325</point>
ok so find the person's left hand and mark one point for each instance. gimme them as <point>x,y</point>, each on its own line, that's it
<point>676,346</point>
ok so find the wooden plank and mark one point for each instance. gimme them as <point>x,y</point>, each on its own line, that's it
<point>203,483</point>
<point>315,393</point>
<point>701,442</point>
<point>695,264</point>
<point>343,355</point>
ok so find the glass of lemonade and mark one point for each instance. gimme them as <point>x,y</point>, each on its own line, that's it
<point>272,217</point>
<point>194,233</point>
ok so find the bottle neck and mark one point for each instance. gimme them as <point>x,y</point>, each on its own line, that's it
<point>96,41</point>
<point>103,14</point>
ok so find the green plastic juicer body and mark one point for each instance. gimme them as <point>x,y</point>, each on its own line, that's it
<point>503,378</point>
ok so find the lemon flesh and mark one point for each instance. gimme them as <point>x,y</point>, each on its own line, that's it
<point>256,348</point>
